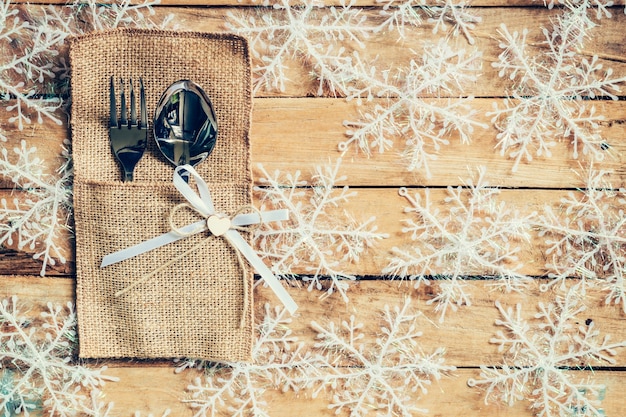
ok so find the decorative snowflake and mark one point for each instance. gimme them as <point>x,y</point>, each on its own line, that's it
<point>38,221</point>
<point>279,362</point>
<point>586,238</point>
<point>398,14</point>
<point>26,52</point>
<point>298,31</point>
<point>406,110</point>
<point>539,355</point>
<point>381,376</point>
<point>468,232</point>
<point>37,369</point>
<point>456,13</point>
<point>319,238</point>
<point>549,97</point>
<point>29,44</point>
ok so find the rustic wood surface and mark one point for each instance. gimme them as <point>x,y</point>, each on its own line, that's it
<point>291,131</point>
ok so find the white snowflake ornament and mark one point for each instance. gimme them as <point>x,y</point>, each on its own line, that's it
<point>419,108</point>
<point>469,232</point>
<point>39,222</point>
<point>384,376</point>
<point>586,238</point>
<point>280,362</point>
<point>320,239</point>
<point>41,373</point>
<point>538,355</point>
<point>549,96</point>
<point>298,30</point>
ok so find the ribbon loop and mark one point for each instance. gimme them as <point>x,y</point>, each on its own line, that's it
<point>202,200</point>
<point>181,231</point>
<point>218,225</point>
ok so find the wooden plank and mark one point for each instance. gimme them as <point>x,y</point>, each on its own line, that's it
<point>462,334</point>
<point>35,291</point>
<point>292,134</point>
<point>388,207</point>
<point>152,390</point>
<point>386,51</point>
<point>13,262</point>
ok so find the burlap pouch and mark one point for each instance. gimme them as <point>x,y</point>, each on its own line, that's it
<point>194,307</point>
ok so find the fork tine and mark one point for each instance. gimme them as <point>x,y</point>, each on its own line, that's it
<point>142,104</point>
<point>133,110</point>
<point>123,118</point>
<point>128,140</point>
<point>112,109</point>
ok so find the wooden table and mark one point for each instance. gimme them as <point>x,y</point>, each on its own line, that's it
<point>295,130</point>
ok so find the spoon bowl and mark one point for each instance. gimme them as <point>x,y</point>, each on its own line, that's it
<point>185,126</point>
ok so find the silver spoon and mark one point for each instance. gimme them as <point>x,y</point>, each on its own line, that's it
<point>185,126</point>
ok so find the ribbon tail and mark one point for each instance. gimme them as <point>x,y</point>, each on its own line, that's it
<point>246,250</point>
<point>151,244</point>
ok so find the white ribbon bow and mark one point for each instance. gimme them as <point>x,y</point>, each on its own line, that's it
<point>218,225</point>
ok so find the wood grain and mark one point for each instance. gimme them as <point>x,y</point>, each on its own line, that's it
<point>291,134</point>
<point>155,389</point>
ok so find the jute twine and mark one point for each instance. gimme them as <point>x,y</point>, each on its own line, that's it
<point>192,307</point>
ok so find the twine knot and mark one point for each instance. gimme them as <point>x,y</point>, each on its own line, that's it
<point>217,224</point>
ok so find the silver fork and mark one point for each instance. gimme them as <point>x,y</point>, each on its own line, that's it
<point>128,139</point>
